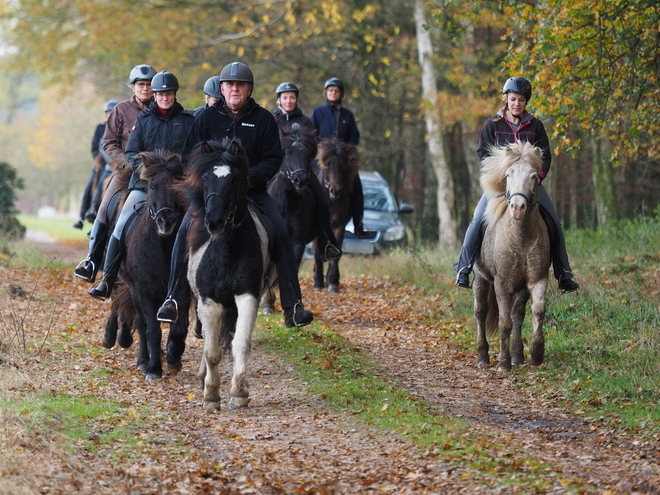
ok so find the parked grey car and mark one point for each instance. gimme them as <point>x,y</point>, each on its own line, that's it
<point>382,217</point>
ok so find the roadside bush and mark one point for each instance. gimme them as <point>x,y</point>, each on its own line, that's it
<point>10,227</point>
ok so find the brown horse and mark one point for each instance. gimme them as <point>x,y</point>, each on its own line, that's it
<point>338,166</point>
<point>514,259</point>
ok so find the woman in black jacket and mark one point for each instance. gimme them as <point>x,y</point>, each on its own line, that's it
<point>162,126</point>
<point>512,124</point>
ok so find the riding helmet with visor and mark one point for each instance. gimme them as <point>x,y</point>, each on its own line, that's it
<point>164,81</point>
<point>142,73</point>
<point>518,85</point>
<point>212,87</point>
<point>236,71</point>
<point>334,81</point>
<point>286,86</point>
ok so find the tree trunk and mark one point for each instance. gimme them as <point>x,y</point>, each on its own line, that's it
<point>607,209</point>
<point>445,193</point>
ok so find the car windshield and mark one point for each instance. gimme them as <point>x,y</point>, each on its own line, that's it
<point>378,197</point>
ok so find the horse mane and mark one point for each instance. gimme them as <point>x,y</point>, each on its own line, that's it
<point>334,149</point>
<point>493,172</point>
<point>205,156</point>
<point>305,135</point>
<point>159,160</point>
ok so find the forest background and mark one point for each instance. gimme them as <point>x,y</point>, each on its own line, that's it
<point>420,75</point>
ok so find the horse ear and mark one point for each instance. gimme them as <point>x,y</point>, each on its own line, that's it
<point>235,147</point>
<point>205,147</point>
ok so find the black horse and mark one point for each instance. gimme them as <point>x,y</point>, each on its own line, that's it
<point>229,262</point>
<point>338,166</point>
<point>145,270</point>
<point>291,192</point>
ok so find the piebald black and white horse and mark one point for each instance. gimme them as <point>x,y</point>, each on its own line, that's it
<point>229,263</point>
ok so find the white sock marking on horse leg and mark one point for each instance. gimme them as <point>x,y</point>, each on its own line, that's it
<point>248,307</point>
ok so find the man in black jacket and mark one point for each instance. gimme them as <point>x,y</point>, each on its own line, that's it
<point>237,115</point>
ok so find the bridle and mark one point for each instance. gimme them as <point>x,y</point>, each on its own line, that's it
<point>155,214</point>
<point>232,206</point>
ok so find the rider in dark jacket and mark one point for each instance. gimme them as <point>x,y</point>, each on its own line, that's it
<point>211,94</point>
<point>237,115</point>
<point>332,120</point>
<point>162,126</point>
<point>286,115</point>
<point>512,124</point>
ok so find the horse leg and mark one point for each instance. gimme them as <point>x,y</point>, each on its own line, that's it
<point>210,314</point>
<point>332,277</point>
<point>154,369</point>
<point>176,340</point>
<point>111,328</point>
<point>143,351</point>
<point>125,338</point>
<point>537,349</point>
<point>247,317</point>
<point>505,303</point>
<point>481,288</point>
<point>319,282</point>
<point>518,317</point>
<point>268,300</point>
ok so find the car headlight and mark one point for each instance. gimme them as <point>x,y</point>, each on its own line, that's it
<point>395,233</point>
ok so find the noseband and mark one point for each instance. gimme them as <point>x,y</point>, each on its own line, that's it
<point>529,199</point>
<point>155,214</point>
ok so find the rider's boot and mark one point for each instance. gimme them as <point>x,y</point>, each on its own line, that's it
<point>177,288</point>
<point>297,316</point>
<point>88,267</point>
<point>110,271</point>
<point>79,224</point>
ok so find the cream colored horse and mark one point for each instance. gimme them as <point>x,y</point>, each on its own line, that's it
<point>514,259</point>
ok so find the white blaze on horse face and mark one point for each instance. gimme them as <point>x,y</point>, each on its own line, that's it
<point>221,171</point>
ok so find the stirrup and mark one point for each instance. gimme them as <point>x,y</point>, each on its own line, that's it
<point>331,252</point>
<point>165,318</point>
<point>463,278</point>
<point>83,266</point>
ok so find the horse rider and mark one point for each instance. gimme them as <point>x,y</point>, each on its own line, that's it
<point>101,170</point>
<point>118,125</point>
<point>162,126</point>
<point>287,114</point>
<point>511,124</point>
<point>333,120</point>
<point>237,115</point>
<point>211,94</point>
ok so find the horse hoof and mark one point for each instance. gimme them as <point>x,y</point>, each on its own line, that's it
<point>504,367</point>
<point>483,364</point>
<point>150,377</point>
<point>106,342</point>
<point>141,366</point>
<point>175,367</point>
<point>212,405</point>
<point>237,402</point>
<point>318,287</point>
<point>125,342</point>
<point>333,288</point>
<point>267,310</point>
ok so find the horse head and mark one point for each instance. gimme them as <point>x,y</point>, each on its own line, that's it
<point>512,172</point>
<point>224,175</point>
<point>338,165</point>
<point>162,169</point>
<point>299,149</point>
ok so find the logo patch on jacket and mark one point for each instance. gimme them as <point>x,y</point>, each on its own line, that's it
<point>246,124</point>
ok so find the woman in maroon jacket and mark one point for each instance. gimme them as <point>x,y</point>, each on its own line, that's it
<point>511,124</point>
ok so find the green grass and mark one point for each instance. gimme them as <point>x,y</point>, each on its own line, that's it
<point>59,228</point>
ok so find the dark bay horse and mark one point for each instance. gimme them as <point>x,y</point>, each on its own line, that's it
<point>338,167</point>
<point>229,263</point>
<point>291,192</point>
<point>514,259</point>
<point>145,270</point>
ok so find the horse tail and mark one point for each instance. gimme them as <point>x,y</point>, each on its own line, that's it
<point>493,316</point>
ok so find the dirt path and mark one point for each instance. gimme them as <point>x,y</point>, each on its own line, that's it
<point>288,442</point>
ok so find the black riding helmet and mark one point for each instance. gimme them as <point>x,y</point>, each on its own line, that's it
<point>164,81</point>
<point>236,71</point>
<point>286,86</point>
<point>518,85</point>
<point>334,81</point>
<point>141,73</point>
<point>212,87</point>
<point>109,105</point>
